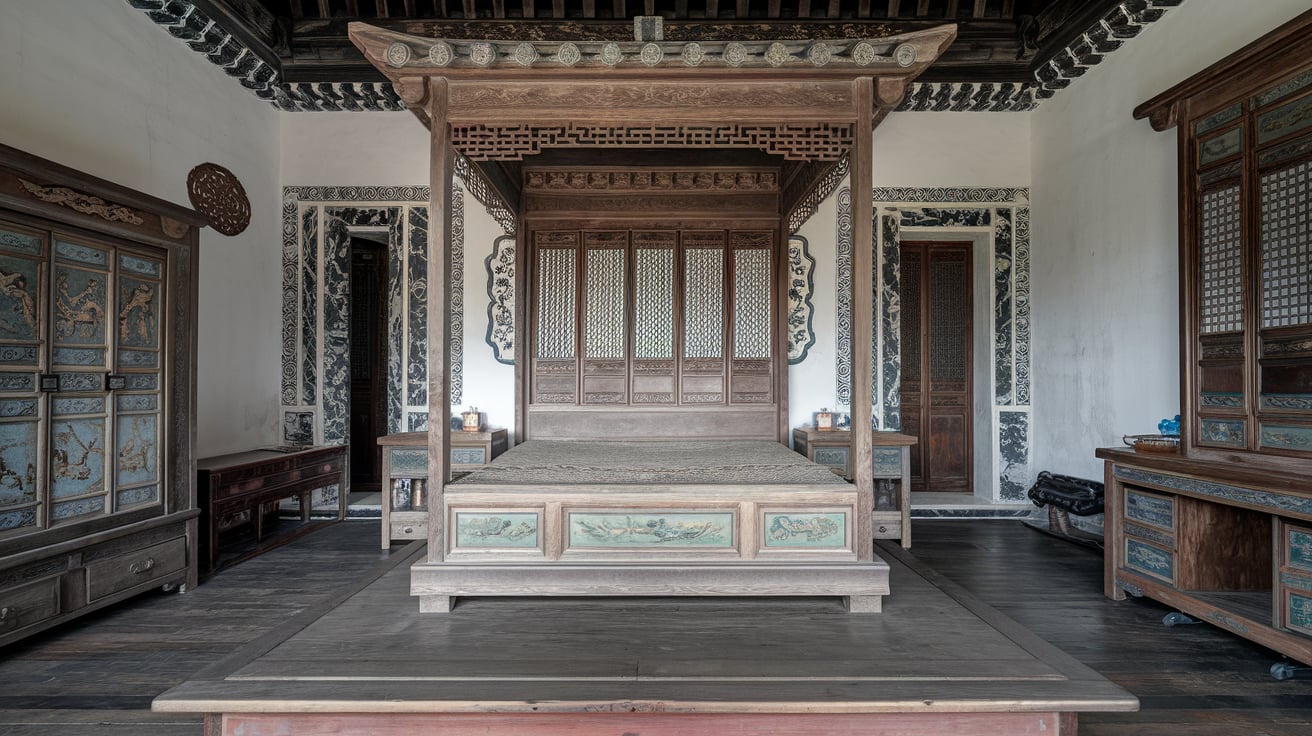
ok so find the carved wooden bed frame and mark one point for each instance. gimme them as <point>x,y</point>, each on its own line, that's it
<point>808,105</point>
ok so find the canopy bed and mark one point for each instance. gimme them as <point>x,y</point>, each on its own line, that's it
<point>654,183</point>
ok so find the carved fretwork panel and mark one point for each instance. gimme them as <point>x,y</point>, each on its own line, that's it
<point>654,312</point>
<point>801,142</point>
<point>605,326</point>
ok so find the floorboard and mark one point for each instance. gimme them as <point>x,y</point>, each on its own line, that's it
<point>97,675</point>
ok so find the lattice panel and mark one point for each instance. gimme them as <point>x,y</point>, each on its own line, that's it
<point>556,303</point>
<point>1221,252</point>
<point>911,315</point>
<point>814,142</point>
<point>1287,246</point>
<point>653,301</point>
<point>751,303</point>
<point>703,303</point>
<point>949,319</point>
<point>604,289</point>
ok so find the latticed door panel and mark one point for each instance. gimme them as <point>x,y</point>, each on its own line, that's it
<point>654,317</point>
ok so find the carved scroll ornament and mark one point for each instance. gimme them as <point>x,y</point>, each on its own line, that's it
<point>81,202</point>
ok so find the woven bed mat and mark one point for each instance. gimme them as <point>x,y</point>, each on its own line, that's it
<point>724,462</point>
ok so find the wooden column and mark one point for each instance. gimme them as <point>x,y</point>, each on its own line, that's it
<point>439,322</point>
<point>863,311</point>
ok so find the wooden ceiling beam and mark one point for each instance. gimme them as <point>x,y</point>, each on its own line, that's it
<point>499,9</point>
<point>922,8</point>
<point>772,8</point>
<point>468,9</point>
<point>680,8</point>
<point>835,7</point>
<point>804,8</point>
<point>862,9</point>
<point>712,9</point>
<point>954,7</point>
<point>558,9</point>
<point>650,7</point>
<point>893,7</point>
<point>1008,8</point>
<point>325,9</point>
<point>297,11</point>
<point>589,8</point>
<point>980,7</point>
<point>527,9</point>
<point>742,10</point>
<point>618,9</point>
<point>353,8</point>
<point>439,8</point>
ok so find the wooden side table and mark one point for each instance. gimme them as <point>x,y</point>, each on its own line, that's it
<point>246,482</point>
<point>892,461</point>
<point>405,473</point>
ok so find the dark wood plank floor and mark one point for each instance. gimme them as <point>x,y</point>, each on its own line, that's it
<point>99,674</point>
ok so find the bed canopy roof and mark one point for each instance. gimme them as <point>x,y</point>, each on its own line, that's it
<point>793,98</point>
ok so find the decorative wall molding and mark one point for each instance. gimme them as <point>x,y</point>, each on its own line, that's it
<point>1124,22</point>
<point>82,202</point>
<point>500,265</point>
<point>1000,216</point>
<point>970,97</point>
<point>318,223</point>
<point>801,313</point>
<point>185,22</point>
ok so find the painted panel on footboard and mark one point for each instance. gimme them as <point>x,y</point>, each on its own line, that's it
<point>620,530</point>
<point>497,530</point>
<point>799,528</point>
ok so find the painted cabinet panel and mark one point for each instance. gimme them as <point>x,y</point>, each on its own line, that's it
<point>81,385</point>
<point>620,530</point>
<point>1149,559</point>
<point>827,530</point>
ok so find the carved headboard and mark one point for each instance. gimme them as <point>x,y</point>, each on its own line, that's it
<point>653,307</point>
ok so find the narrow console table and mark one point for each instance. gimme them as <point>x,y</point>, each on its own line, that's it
<point>245,482</point>
<point>1226,542</point>
<point>892,460</point>
<point>405,475</point>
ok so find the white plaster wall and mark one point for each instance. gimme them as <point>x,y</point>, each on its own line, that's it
<point>811,383</point>
<point>391,148</point>
<point>1106,358</point>
<point>953,149</point>
<point>99,87</point>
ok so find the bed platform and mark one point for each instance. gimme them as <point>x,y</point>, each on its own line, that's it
<point>564,518</point>
<point>937,662</point>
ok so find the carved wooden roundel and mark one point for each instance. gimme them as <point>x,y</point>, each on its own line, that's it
<point>215,192</point>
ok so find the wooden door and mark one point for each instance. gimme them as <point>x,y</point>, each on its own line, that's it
<point>936,364</point>
<point>368,362</point>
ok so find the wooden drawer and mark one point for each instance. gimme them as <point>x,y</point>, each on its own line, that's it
<point>409,530</point>
<point>833,457</point>
<point>28,604</point>
<point>1150,508</point>
<point>110,576</point>
<point>1149,559</point>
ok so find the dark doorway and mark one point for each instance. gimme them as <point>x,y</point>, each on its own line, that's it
<point>936,364</point>
<point>368,361</point>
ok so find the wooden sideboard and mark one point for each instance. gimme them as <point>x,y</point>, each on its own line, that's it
<point>244,483</point>
<point>405,475</point>
<point>892,463</point>
<point>1227,542</point>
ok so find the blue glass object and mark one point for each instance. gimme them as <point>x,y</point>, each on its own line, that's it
<point>1169,427</point>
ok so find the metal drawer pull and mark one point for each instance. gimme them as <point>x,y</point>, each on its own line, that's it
<point>140,567</point>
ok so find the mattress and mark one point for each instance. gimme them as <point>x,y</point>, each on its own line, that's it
<point>703,462</point>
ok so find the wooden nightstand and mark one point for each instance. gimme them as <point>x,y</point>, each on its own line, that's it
<point>892,461</point>
<point>405,470</point>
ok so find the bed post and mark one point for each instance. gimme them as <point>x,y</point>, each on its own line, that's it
<point>439,328</point>
<point>863,309</point>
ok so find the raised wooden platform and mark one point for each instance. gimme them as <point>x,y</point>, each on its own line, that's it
<point>937,662</point>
